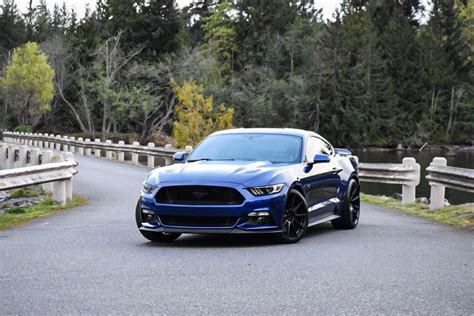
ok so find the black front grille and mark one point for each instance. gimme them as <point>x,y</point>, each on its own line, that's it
<point>199,195</point>
<point>198,221</point>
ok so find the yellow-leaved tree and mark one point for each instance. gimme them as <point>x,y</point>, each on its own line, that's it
<point>27,84</point>
<point>196,116</point>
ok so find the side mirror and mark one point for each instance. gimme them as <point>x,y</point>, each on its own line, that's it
<point>321,158</point>
<point>180,156</point>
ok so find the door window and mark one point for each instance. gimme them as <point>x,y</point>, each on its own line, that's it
<point>315,146</point>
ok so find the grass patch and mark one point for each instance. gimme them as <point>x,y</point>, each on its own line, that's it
<point>454,215</point>
<point>20,193</point>
<point>19,216</point>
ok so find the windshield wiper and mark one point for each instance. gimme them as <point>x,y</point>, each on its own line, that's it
<point>211,159</point>
<point>200,159</point>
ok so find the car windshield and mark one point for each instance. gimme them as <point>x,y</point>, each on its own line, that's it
<point>253,147</point>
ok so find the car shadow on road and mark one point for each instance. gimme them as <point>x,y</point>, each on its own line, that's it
<point>235,241</point>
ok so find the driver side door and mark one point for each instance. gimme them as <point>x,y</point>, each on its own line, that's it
<point>321,180</point>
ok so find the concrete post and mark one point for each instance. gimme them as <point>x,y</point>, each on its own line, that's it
<point>121,154</point>
<point>3,156</point>
<point>22,156</point>
<point>97,150</point>
<point>409,190</point>
<point>40,141</point>
<point>80,149</point>
<point>151,158</point>
<point>88,149</point>
<point>29,141</point>
<point>188,148</point>
<point>72,147</point>
<point>35,141</point>
<point>58,144</point>
<point>11,156</point>
<point>46,142</point>
<point>65,145</point>
<point>35,154</point>
<point>108,153</point>
<point>134,155</point>
<point>437,191</point>
<point>51,141</point>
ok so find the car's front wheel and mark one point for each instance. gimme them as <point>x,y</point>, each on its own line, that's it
<point>295,218</point>
<point>153,236</point>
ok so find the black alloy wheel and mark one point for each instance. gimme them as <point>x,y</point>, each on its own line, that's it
<point>295,218</point>
<point>351,208</point>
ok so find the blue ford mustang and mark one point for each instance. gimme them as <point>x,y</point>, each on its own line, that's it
<point>277,181</point>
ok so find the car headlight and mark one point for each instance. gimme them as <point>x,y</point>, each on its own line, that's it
<point>266,190</point>
<point>148,188</point>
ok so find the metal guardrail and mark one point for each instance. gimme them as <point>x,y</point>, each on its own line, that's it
<point>86,147</point>
<point>406,174</point>
<point>22,166</point>
<point>441,176</point>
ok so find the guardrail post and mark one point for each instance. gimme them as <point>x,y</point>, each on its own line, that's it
<point>97,150</point>
<point>51,141</point>
<point>65,145</point>
<point>121,154</point>
<point>46,158</point>
<point>29,141</point>
<point>35,153</point>
<point>88,149</point>
<point>40,141</point>
<point>168,160</point>
<point>437,191</point>
<point>151,158</point>
<point>188,148</point>
<point>108,153</point>
<point>135,155</point>
<point>68,157</point>
<point>72,147</point>
<point>3,156</point>
<point>80,149</point>
<point>35,141</point>
<point>58,144</point>
<point>11,156</point>
<point>22,156</point>
<point>59,187</point>
<point>409,190</point>
<point>45,142</point>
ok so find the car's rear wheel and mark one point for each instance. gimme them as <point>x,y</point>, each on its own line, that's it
<point>351,208</point>
<point>153,236</point>
<point>295,218</point>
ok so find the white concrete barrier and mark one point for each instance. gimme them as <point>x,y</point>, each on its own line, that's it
<point>88,148</point>
<point>21,166</point>
<point>441,176</point>
<point>406,174</point>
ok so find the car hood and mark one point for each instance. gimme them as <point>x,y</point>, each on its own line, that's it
<point>241,172</point>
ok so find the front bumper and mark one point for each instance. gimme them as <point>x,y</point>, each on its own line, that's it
<point>271,204</point>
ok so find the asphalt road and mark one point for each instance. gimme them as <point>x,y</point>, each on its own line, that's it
<point>92,259</point>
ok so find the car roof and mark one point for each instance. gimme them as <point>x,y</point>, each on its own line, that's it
<point>281,131</point>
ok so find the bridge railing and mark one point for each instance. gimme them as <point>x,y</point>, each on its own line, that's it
<point>407,174</point>
<point>21,166</point>
<point>97,148</point>
<point>441,176</point>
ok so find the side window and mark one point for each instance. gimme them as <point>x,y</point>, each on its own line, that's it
<point>328,148</point>
<point>314,146</point>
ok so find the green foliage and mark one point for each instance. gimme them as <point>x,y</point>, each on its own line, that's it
<point>196,116</point>
<point>28,83</point>
<point>375,74</point>
<point>220,37</point>
<point>23,129</point>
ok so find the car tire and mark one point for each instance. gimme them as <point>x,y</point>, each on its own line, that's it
<point>351,208</point>
<point>294,219</point>
<point>153,236</point>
